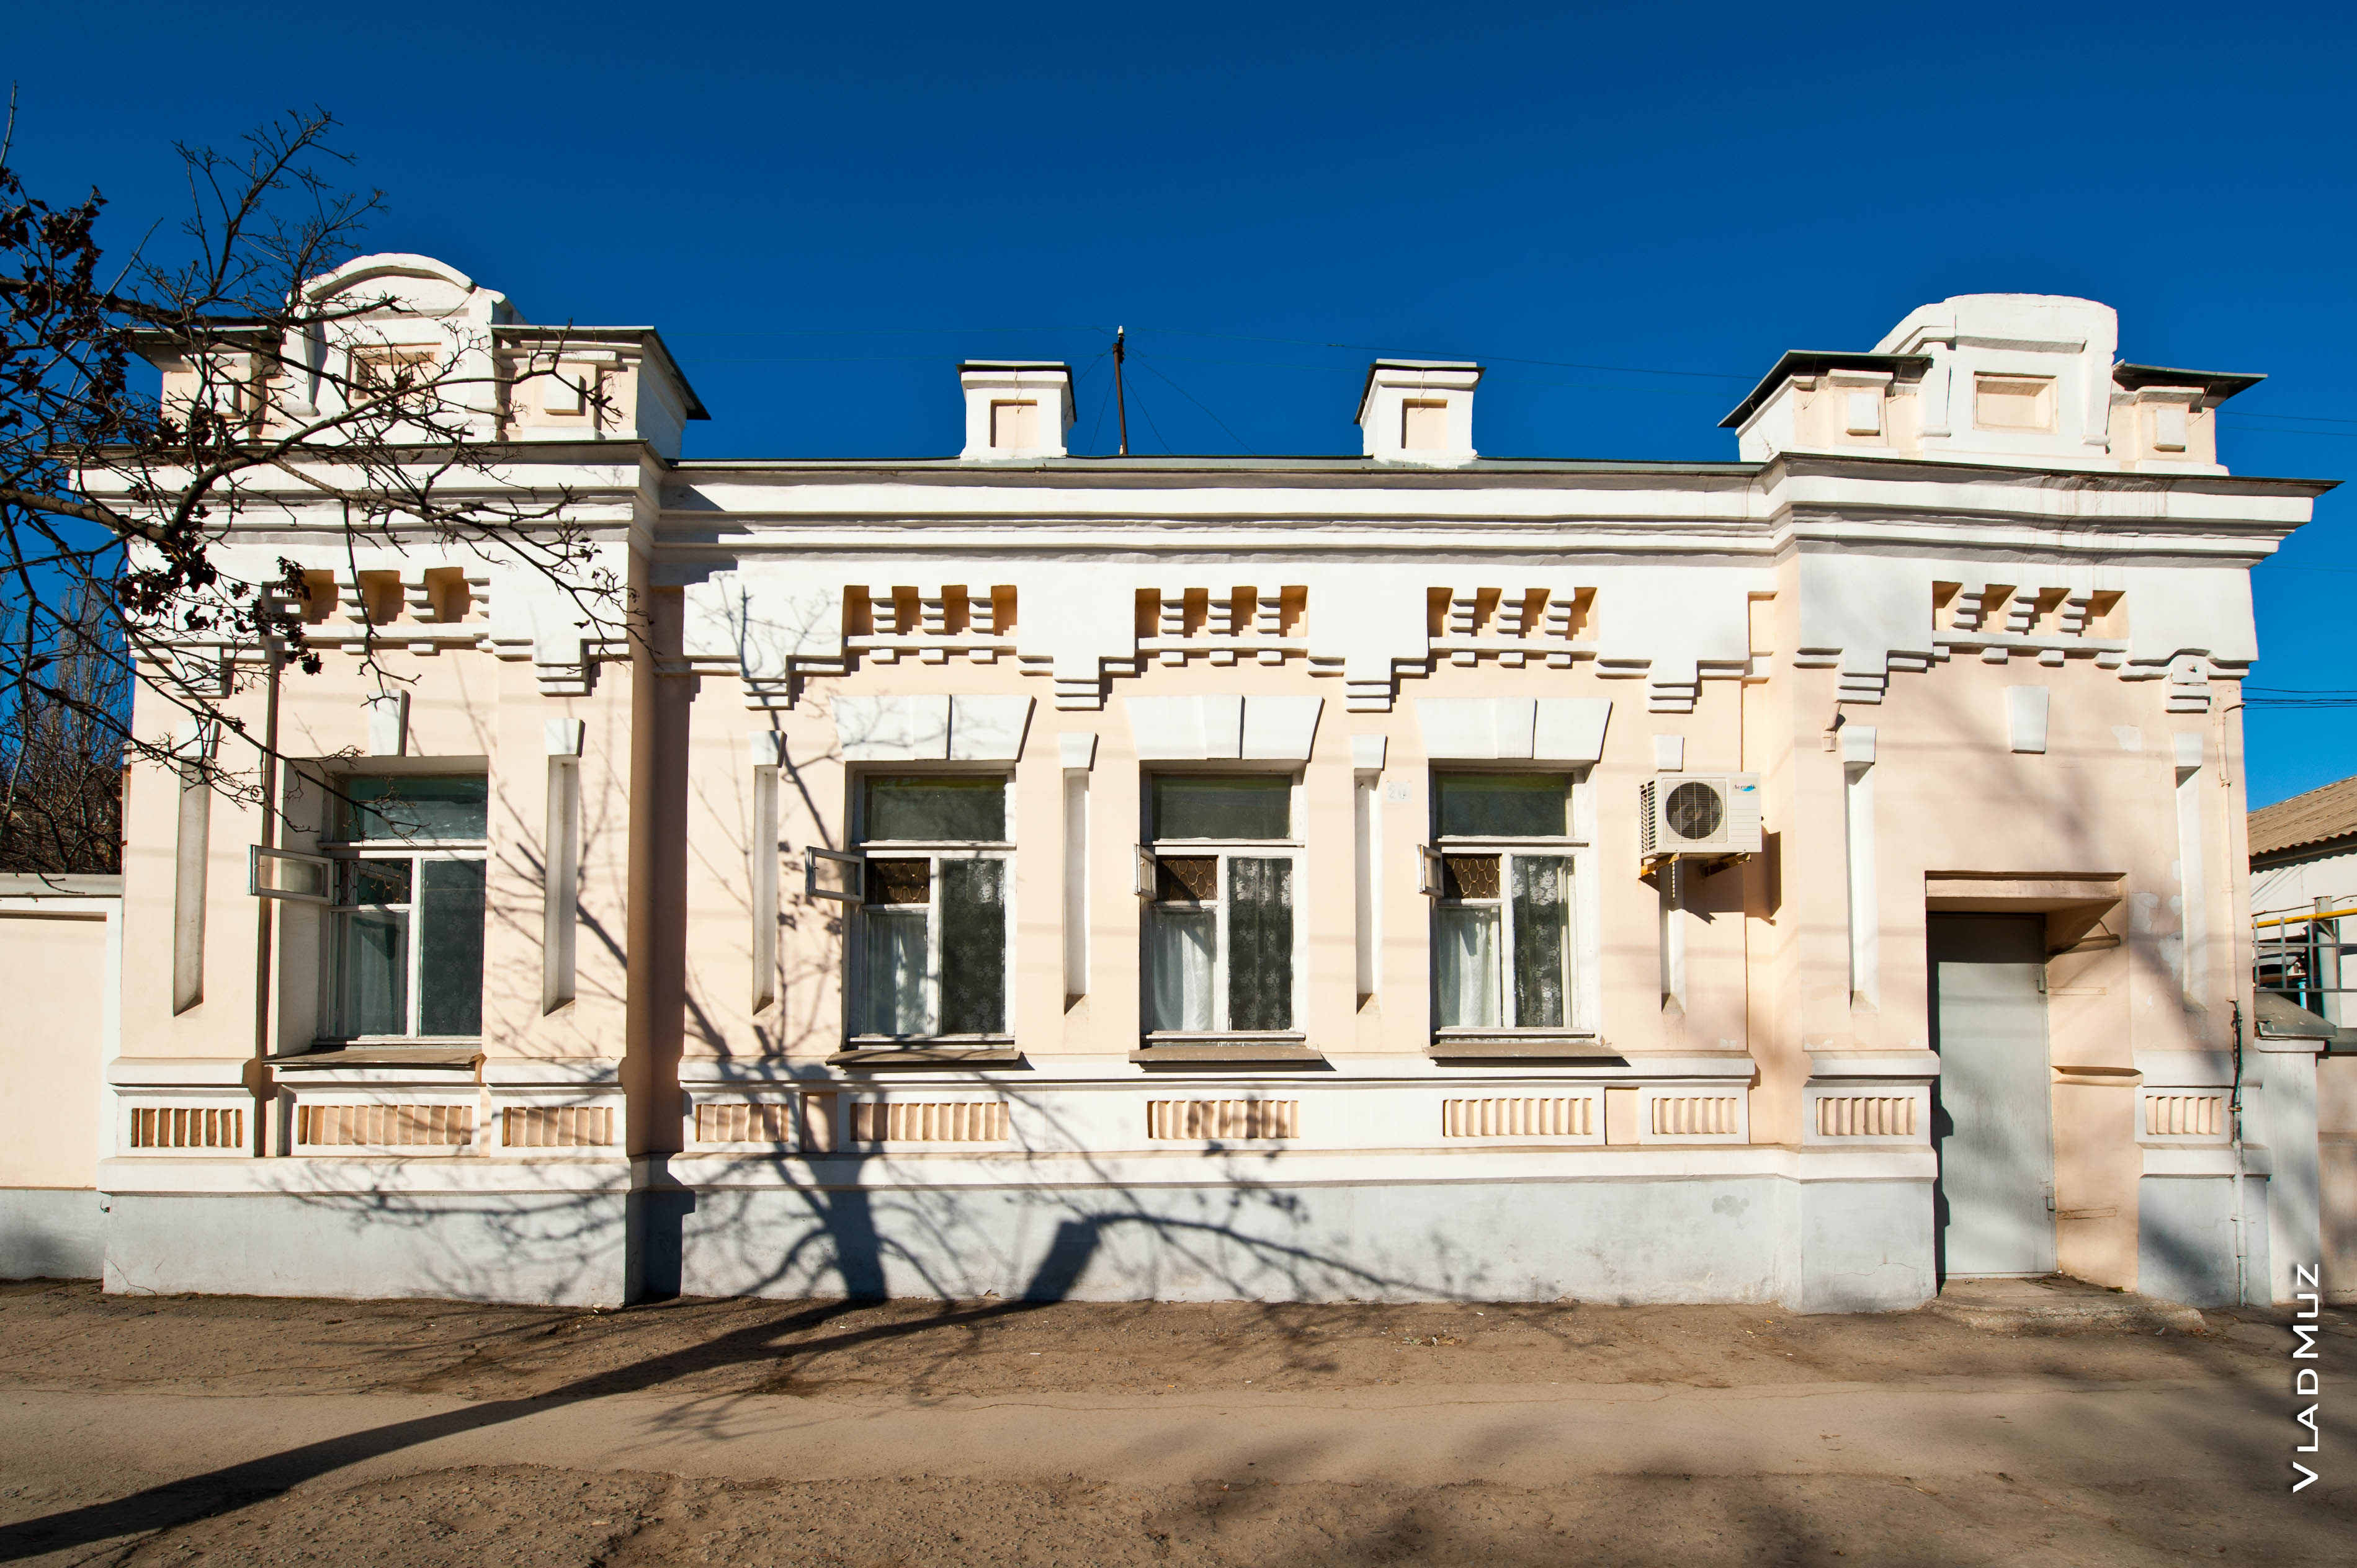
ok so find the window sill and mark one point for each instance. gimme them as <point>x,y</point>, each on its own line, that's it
<point>453,1054</point>
<point>971,1051</point>
<point>1516,1045</point>
<point>1226,1050</point>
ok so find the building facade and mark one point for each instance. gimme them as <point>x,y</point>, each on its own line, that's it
<point>2303,898</point>
<point>1790,879</point>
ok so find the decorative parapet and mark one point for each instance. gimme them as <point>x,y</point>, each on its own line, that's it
<point>345,1123</point>
<point>557,1126</point>
<point>1557,1118</point>
<point>422,600</point>
<point>766,1123</point>
<point>157,1126</point>
<point>2185,1115</point>
<point>774,628</point>
<point>880,1121</point>
<point>181,1108</point>
<point>1680,1114</point>
<point>1222,1121</point>
<point>1868,1098</point>
<point>2185,1099</point>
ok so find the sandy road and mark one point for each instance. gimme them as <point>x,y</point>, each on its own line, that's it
<point>1516,1437</point>
<point>867,1440</point>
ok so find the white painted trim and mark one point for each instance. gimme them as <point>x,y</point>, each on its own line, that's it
<point>1865,908</point>
<point>906,728</point>
<point>1542,729</point>
<point>1223,728</point>
<point>2025,710</point>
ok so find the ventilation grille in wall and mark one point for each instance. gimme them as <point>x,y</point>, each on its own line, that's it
<point>929,1121</point>
<point>1698,1116</point>
<point>744,1124</point>
<point>556,1126</point>
<point>384,1126</point>
<point>1866,1116</point>
<point>1224,1120</point>
<point>1568,1118</point>
<point>176,1127</point>
<point>2184,1115</point>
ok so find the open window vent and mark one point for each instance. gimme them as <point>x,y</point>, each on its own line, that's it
<point>1700,814</point>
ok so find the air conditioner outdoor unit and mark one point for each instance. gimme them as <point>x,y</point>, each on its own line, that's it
<point>1700,814</point>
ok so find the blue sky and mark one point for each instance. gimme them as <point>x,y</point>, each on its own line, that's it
<point>825,208</point>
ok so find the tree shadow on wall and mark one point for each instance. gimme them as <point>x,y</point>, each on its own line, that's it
<point>853,1245</point>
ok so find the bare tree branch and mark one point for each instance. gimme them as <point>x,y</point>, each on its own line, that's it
<point>280,400</point>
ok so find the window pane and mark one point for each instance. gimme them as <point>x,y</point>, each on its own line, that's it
<point>375,882</point>
<point>402,808</point>
<point>1186,878</point>
<point>974,947</point>
<point>899,881</point>
<point>1465,968</point>
<point>937,810</point>
<point>1260,944</point>
<point>1501,805</point>
<point>450,947</point>
<point>1542,896</point>
<point>374,967</point>
<point>895,964</point>
<point>1246,808</point>
<point>1469,876</point>
<point>1178,950</point>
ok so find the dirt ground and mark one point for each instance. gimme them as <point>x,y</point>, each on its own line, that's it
<point>89,1385</point>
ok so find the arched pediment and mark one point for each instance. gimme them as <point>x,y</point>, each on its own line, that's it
<point>418,284</point>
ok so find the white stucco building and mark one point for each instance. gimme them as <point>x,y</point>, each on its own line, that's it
<point>1783,879</point>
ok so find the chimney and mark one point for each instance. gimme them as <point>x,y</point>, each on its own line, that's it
<point>1015,408</point>
<point>1419,410</point>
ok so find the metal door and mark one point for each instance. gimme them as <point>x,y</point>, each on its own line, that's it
<point>1991,1116</point>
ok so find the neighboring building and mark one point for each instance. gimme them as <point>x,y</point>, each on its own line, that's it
<point>2303,889</point>
<point>2304,865</point>
<point>1777,880</point>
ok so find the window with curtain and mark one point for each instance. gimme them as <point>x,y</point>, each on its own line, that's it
<point>1501,872</point>
<point>1220,938</point>
<point>406,938</point>
<point>931,953</point>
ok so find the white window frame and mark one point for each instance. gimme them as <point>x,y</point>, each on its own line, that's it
<point>1580,946</point>
<point>1153,851</point>
<point>933,852</point>
<point>414,851</point>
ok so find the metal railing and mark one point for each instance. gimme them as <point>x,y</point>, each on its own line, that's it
<point>2299,952</point>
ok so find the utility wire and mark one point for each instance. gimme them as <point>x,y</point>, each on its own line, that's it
<point>880,331</point>
<point>1498,359</point>
<point>1189,332</point>
<point>2234,420</point>
<point>1190,397</point>
<point>1167,450</point>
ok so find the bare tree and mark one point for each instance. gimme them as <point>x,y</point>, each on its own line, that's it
<point>277,397</point>
<point>62,756</point>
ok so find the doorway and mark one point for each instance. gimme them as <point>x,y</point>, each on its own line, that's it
<point>1992,1109</point>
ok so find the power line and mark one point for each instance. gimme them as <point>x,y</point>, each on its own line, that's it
<point>1190,397</point>
<point>2312,418</point>
<point>1147,413</point>
<point>2235,420</point>
<point>1498,359</point>
<point>2265,430</point>
<point>880,331</point>
<point>1189,332</point>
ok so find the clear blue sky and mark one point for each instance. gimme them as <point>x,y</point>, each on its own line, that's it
<point>825,208</point>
